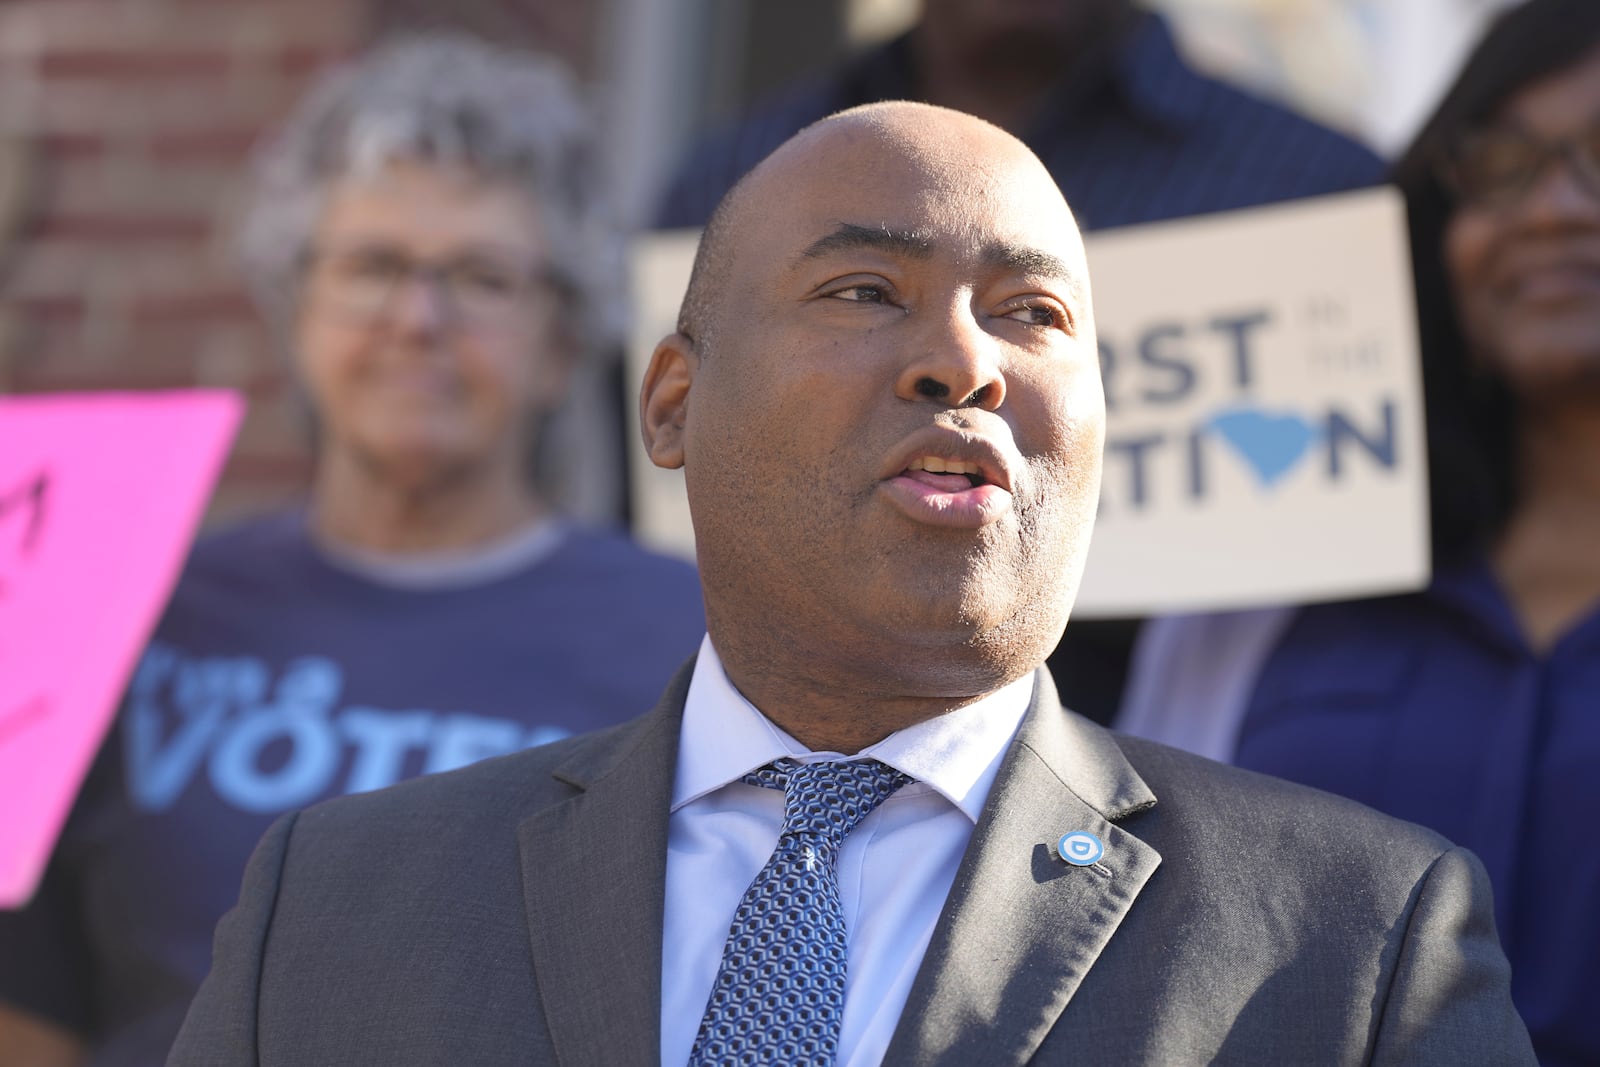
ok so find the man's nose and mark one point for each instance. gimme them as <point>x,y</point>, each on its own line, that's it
<point>956,363</point>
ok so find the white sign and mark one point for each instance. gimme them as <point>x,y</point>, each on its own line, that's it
<point>1264,435</point>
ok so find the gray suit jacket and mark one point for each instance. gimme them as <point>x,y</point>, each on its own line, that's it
<point>511,913</point>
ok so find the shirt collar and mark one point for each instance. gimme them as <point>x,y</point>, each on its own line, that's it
<point>1471,589</point>
<point>724,737</point>
<point>443,569</point>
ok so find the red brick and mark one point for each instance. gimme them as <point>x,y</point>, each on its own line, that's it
<point>302,63</point>
<point>150,109</point>
<point>60,377</point>
<point>134,186</point>
<point>121,229</point>
<point>266,378</point>
<point>66,308</point>
<point>229,145</point>
<point>281,467</point>
<point>46,346</point>
<point>56,268</point>
<point>73,147</point>
<point>133,65</point>
<point>154,355</point>
<point>223,305</point>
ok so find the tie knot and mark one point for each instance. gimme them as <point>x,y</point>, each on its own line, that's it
<point>828,799</point>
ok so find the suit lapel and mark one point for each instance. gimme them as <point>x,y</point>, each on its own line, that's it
<point>1022,927</point>
<point>594,875</point>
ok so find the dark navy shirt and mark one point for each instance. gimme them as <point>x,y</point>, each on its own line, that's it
<point>1136,138</point>
<point>1132,136</point>
<point>277,678</point>
<point>1433,708</point>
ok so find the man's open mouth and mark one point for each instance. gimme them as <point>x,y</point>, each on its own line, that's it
<point>945,475</point>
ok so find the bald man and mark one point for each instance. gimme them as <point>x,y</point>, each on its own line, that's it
<point>859,827</point>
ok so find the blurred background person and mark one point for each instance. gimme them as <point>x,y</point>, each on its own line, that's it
<point>1095,87</point>
<point>1472,707</point>
<point>425,235</point>
<point>1131,134</point>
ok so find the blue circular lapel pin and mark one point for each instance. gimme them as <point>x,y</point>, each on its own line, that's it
<point>1080,848</point>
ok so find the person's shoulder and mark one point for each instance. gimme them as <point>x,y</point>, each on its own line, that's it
<point>715,161</point>
<point>247,562</point>
<point>245,544</point>
<point>459,807</point>
<point>616,547</point>
<point>597,555</point>
<point>399,847</point>
<point>1311,157</point>
<point>1333,161</point>
<point>1198,793</point>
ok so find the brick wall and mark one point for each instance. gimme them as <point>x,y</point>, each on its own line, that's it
<point>129,123</point>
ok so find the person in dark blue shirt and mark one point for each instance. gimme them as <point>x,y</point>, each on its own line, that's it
<point>1096,89</point>
<point>1130,133</point>
<point>1473,706</point>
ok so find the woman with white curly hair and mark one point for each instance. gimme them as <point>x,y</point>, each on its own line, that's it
<point>425,239</point>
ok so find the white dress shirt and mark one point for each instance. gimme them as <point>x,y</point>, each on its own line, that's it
<point>895,868</point>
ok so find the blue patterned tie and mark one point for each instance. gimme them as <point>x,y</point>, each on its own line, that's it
<point>779,993</point>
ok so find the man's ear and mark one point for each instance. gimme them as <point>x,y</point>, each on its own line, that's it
<point>664,399</point>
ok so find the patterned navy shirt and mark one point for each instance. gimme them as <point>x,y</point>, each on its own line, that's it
<point>1137,138</point>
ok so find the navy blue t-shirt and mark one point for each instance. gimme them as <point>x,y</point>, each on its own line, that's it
<point>1432,707</point>
<point>278,678</point>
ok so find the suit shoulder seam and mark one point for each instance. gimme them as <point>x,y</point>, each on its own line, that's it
<point>1413,901</point>
<point>289,821</point>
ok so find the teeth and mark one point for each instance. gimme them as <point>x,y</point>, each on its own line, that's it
<point>939,465</point>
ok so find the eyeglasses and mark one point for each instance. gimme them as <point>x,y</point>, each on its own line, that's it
<point>479,290</point>
<point>1497,166</point>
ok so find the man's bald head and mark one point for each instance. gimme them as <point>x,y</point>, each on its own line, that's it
<point>886,401</point>
<point>943,145</point>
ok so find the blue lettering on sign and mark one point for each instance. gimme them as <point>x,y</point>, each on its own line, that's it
<point>1157,353</point>
<point>1170,355</point>
<point>1132,450</point>
<point>1238,329</point>
<point>266,755</point>
<point>1269,444</point>
<point>1379,446</point>
<point>1166,362</point>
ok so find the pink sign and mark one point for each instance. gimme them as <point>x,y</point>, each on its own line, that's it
<point>100,495</point>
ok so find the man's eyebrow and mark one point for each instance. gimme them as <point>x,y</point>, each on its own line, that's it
<point>849,237</point>
<point>1034,262</point>
<point>915,244</point>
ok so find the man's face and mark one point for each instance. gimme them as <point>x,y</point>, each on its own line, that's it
<point>899,303</point>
